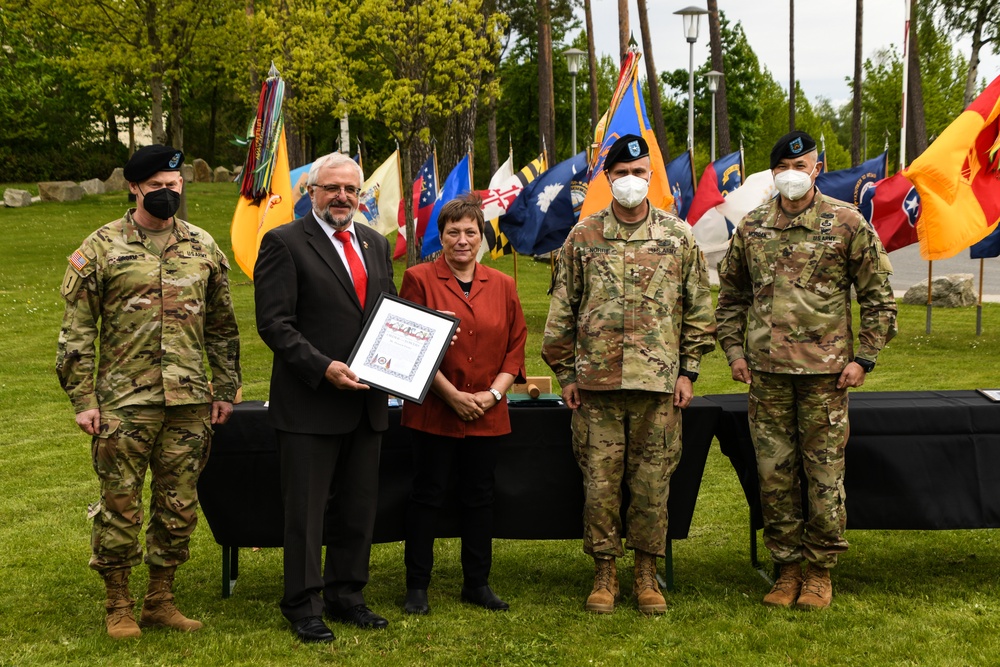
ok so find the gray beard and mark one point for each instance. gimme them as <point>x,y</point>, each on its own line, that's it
<point>328,218</point>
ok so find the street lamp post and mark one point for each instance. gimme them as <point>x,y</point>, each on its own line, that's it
<point>713,87</point>
<point>573,57</point>
<point>692,16</point>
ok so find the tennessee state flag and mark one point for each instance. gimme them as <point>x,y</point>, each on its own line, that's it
<point>959,181</point>
<point>627,114</point>
<point>252,220</point>
<point>719,178</point>
<point>892,206</point>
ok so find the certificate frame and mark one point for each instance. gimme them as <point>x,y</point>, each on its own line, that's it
<point>992,394</point>
<point>401,347</point>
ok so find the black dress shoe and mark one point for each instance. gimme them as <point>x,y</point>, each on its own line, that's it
<point>416,602</point>
<point>484,597</point>
<point>312,629</point>
<point>359,615</point>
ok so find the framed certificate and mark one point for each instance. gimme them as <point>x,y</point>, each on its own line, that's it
<point>401,347</point>
<point>992,394</point>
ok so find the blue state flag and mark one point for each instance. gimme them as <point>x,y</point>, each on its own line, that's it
<point>680,174</point>
<point>543,214</point>
<point>457,184</point>
<point>988,247</point>
<point>850,184</point>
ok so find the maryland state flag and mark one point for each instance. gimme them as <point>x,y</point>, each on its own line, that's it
<point>265,187</point>
<point>625,115</point>
<point>505,187</point>
<point>958,179</point>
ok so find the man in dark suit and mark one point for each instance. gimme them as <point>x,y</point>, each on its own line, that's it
<point>317,279</point>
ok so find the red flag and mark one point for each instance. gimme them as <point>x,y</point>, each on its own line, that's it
<point>892,206</point>
<point>424,195</point>
<point>959,180</point>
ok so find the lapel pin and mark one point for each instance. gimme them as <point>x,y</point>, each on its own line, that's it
<point>365,244</point>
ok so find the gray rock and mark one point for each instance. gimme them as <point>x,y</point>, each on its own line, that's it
<point>237,169</point>
<point>116,181</point>
<point>221,175</point>
<point>15,198</point>
<point>202,172</point>
<point>187,173</point>
<point>94,186</point>
<point>950,291</point>
<point>60,191</point>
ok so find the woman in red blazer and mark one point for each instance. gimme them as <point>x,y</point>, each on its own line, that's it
<point>455,429</point>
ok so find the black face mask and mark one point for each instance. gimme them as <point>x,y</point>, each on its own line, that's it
<point>162,203</point>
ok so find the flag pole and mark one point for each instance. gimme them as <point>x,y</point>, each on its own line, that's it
<point>979,306</point>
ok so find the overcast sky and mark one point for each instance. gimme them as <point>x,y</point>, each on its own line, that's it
<point>824,37</point>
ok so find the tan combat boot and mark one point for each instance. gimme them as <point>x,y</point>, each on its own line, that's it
<point>647,591</point>
<point>786,587</point>
<point>158,608</point>
<point>602,599</point>
<point>120,620</point>
<point>817,590</point>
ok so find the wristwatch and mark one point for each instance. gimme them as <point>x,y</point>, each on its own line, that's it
<point>865,364</point>
<point>691,375</point>
<point>496,394</point>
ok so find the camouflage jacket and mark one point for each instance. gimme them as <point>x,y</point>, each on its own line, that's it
<point>629,313</point>
<point>785,289</point>
<point>156,317</point>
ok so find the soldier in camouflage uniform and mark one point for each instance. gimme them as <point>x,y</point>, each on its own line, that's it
<point>154,291</point>
<point>630,317</point>
<point>784,319</point>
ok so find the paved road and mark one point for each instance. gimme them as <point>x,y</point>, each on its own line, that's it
<point>909,268</point>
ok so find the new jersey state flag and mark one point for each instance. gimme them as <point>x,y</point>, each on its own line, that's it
<point>378,201</point>
<point>626,115</point>
<point>958,179</point>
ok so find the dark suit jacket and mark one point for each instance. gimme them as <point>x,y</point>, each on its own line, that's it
<point>308,314</point>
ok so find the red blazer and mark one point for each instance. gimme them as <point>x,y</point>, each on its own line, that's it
<point>491,342</point>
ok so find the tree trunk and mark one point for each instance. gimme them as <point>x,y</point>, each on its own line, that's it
<point>412,255</point>
<point>654,82</point>
<point>721,105</point>
<point>156,77</point>
<point>212,122</point>
<point>176,116</point>
<point>491,134</point>
<point>791,65</point>
<point>623,31</point>
<point>546,99</point>
<point>856,84</point>
<point>592,70</point>
<point>112,128</point>
<point>294,141</point>
<point>916,126</point>
<point>977,45</point>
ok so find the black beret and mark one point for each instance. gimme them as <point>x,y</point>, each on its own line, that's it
<point>791,145</point>
<point>150,160</point>
<point>627,148</point>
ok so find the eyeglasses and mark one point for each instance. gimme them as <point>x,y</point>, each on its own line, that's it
<point>333,188</point>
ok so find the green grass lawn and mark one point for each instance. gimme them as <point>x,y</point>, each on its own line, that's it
<point>901,598</point>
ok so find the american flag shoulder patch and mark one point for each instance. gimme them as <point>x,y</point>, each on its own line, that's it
<point>78,260</point>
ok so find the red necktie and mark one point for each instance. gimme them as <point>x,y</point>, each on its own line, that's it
<point>358,274</point>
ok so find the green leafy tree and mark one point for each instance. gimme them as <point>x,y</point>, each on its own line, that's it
<point>410,62</point>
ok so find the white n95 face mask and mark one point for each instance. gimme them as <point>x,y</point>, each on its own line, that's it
<point>793,184</point>
<point>629,191</point>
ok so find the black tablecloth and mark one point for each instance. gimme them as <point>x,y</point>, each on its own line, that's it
<point>539,491</point>
<point>915,460</point>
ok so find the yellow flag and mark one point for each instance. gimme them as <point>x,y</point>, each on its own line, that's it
<point>251,221</point>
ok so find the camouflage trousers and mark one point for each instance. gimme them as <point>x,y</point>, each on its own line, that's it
<point>173,443</point>
<point>799,422</point>
<point>630,435</point>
